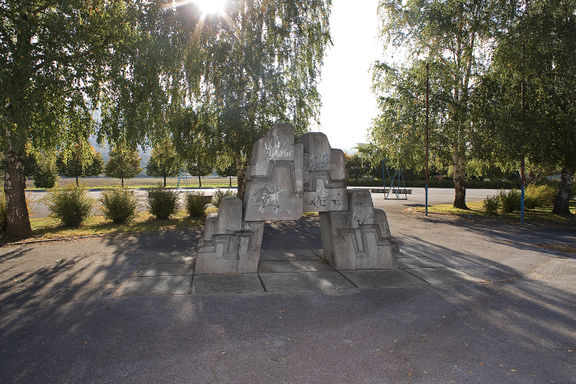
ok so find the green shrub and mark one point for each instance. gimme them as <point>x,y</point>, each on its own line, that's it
<point>119,205</point>
<point>45,173</point>
<point>219,195</point>
<point>509,202</point>
<point>3,214</point>
<point>196,203</point>
<point>163,202</point>
<point>539,196</point>
<point>70,205</point>
<point>491,204</point>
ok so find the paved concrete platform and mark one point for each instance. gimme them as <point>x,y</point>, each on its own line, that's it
<point>147,270</point>
<point>155,286</point>
<point>293,266</point>
<point>305,281</point>
<point>289,255</point>
<point>443,276</point>
<point>418,262</point>
<point>383,279</point>
<point>209,284</point>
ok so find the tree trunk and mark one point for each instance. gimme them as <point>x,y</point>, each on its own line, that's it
<point>241,169</point>
<point>164,181</point>
<point>122,181</point>
<point>199,181</point>
<point>230,177</point>
<point>459,177</point>
<point>18,221</point>
<point>77,180</point>
<point>561,204</point>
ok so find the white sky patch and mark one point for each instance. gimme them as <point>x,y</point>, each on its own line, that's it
<point>348,103</point>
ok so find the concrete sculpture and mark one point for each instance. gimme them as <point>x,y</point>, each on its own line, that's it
<point>285,179</point>
<point>358,238</point>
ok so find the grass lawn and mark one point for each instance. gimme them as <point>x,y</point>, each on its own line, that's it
<point>140,182</point>
<point>50,228</point>
<point>538,215</point>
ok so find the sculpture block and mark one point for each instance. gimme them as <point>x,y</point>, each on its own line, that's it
<point>274,189</point>
<point>229,245</point>
<point>358,238</point>
<point>324,175</point>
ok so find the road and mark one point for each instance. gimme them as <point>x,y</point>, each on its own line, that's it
<point>38,208</point>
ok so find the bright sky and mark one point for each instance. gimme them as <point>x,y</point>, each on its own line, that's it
<point>348,103</point>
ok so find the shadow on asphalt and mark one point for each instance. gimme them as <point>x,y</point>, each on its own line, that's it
<point>532,237</point>
<point>297,234</point>
<point>501,323</point>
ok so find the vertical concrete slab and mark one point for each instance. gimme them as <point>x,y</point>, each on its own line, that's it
<point>229,245</point>
<point>274,189</point>
<point>358,238</point>
<point>324,175</point>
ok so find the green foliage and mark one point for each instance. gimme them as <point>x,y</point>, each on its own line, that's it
<point>356,167</point>
<point>162,202</point>
<point>227,168</point>
<point>70,205</point>
<point>164,161</point>
<point>80,160</point>
<point>446,35</point>
<point>219,195</point>
<point>510,201</point>
<point>124,163</point>
<point>45,172</point>
<point>491,204</point>
<point>119,205</point>
<point>195,204</point>
<point>539,196</point>
<point>527,98</point>
<point>3,213</point>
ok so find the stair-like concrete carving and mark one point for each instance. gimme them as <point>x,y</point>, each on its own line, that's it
<point>358,238</point>
<point>229,245</point>
<point>324,175</point>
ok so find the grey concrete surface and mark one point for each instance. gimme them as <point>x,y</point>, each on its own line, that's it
<point>209,284</point>
<point>155,285</point>
<point>383,279</point>
<point>293,266</point>
<point>61,323</point>
<point>305,281</point>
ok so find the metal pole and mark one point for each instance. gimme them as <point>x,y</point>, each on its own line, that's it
<point>427,139</point>
<point>523,163</point>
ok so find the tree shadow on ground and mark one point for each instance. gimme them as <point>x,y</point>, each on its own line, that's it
<point>296,234</point>
<point>533,237</point>
<point>62,325</point>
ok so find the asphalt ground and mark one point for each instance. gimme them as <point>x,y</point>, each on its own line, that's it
<point>61,320</point>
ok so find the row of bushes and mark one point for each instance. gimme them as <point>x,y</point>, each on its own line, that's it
<point>72,206</point>
<point>473,184</point>
<point>506,202</point>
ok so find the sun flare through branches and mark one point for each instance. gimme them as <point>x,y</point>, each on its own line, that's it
<point>215,7</point>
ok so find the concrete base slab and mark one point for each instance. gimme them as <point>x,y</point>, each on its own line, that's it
<point>383,278</point>
<point>295,255</point>
<point>418,262</point>
<point>167,258</point>
<point>292,266</point>
<point>209,284</point>
<point>443,275</point>
<point>155,286</point>
<point>164,270</point>
<point>305,281</point>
